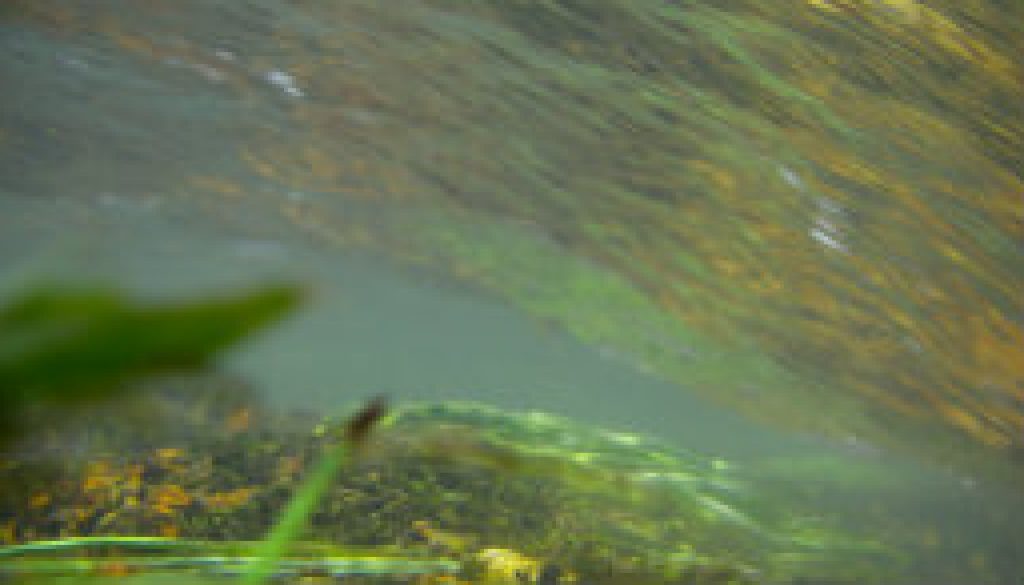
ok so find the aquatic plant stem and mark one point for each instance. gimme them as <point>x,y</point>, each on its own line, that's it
<point>295,514</point>
<point>294,517</point>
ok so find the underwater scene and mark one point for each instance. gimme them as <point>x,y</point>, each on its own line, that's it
<point>512,292</point>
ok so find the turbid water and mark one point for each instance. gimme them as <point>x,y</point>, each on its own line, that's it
<point>658,218</point>
<point>370,327</point>
<point>373,327</point>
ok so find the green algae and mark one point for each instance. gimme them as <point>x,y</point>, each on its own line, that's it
<point>436,485</point>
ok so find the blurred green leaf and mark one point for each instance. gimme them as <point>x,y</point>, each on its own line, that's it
<point>64,346</point>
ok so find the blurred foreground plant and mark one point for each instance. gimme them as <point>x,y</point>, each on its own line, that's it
<point>61,347</point>
<point>65,347</point>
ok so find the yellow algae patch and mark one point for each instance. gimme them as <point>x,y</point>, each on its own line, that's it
<point>164,499</point>
<point>216,185</point>
<point>133,43</point>
<point>260,167</point>
<point>287,467</point>
<point>970,424</point>
<point>239,420</point>
<point>169,455</point>
<point>98,476</point>
<point>39,500</point>
<point>8,532</point>
<point>225,501</point>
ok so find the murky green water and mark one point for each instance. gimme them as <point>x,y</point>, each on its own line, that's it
<point>785,237</point>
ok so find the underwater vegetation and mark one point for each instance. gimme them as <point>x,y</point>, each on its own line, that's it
<point>810,214</point>
<point>448,490</point>
<point>210,484</point>
<point>827,195</point>
<point>190,477</point>
<point>64,348</point>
